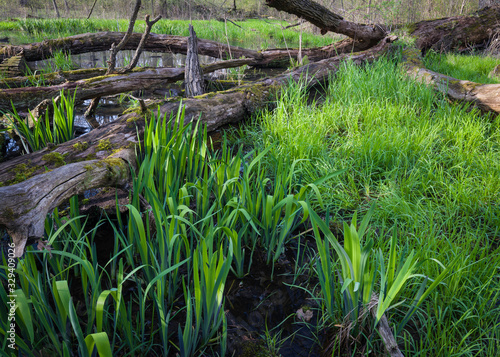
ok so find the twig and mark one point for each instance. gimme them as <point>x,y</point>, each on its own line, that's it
<point>91,9</point>
<point>294,25</point>
<point>91,109</point>
<point>234,23</point>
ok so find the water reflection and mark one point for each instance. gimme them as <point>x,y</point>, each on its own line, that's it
<point>123,58</point>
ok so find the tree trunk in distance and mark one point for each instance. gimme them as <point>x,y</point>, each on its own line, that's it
<point>462,33</point>
<point>91,10</point>
<point>56,9</point>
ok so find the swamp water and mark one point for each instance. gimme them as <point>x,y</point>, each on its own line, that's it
<point>110,108</point>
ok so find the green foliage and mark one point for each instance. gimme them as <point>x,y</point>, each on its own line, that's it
<point>465,67</point>
<point>428,166</point>
<point>43,132</point>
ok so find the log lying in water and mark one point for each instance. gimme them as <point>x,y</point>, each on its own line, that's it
<point>102,41</point>
<point>140,78</point>
<point>213,109</point>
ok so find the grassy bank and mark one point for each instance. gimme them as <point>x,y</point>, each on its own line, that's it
<point>256,34</point>
<point>472,68</point>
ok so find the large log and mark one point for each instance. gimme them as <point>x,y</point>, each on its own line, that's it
<point>140,78</point>
<point>213,109</point>
<point>102,41</point>
<point>365,35</point>
<point>461,33</point>
<point>484,96</point>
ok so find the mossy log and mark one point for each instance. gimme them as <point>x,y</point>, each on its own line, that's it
<point>13,66</point>
<point>27,204</point>
<point>458,33</point>
<point>485,96</point>
<point>51,79</point>
<point>23,215</point>
<point>140,78</point>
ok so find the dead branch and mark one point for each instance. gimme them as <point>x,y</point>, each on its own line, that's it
<point>116,49</point>
<point>138,51</point>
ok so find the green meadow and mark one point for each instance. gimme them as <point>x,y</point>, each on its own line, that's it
<point>255,34</point>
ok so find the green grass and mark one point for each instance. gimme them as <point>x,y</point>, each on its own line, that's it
<point>256,34</point>
<point>472,68</point>
<point>428,170</point>
<point>429,167</point>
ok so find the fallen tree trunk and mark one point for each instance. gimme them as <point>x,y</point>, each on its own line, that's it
<point>51,79</point>
<point>102,41</point>
<point>213,109</point>
<point>141,78</point>
<point>35,198</point>
<point>484,96</point>
<point>326,20</point>
<point>461,33</point>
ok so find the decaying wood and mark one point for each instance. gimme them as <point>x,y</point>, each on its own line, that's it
<point>13,66</point>
<point>385,331</point>
<point>214,110</point>
<point>138,51</point>
<point>32,200</point>
<point>484,96</point>
<point>326,20</point>
<point>102,41</point>
<point>193,75</point>
<point>460,33</point>
<point>51,79</point>
<point>116,48</point>
<point>140,78</point>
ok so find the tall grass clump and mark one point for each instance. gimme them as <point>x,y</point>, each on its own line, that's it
<point>475,68</point>
<point>42,131</point>
<point>192,215</point>
<point>429,167</point>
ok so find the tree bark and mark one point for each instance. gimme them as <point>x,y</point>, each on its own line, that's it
<point>56,9</point>
<point>193,75</point>
<point>461,33</point>
<point>24,204</point>
<point>51,79</point>
<point>385,331</point>
<point>31,201</point>
<point>485,96</point>
<point>142,78</point>
<point>326,20</point>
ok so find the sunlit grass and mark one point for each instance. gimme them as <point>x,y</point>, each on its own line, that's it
<point>256,34</point>
<point>429,167</point>
<point>472,68</point>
